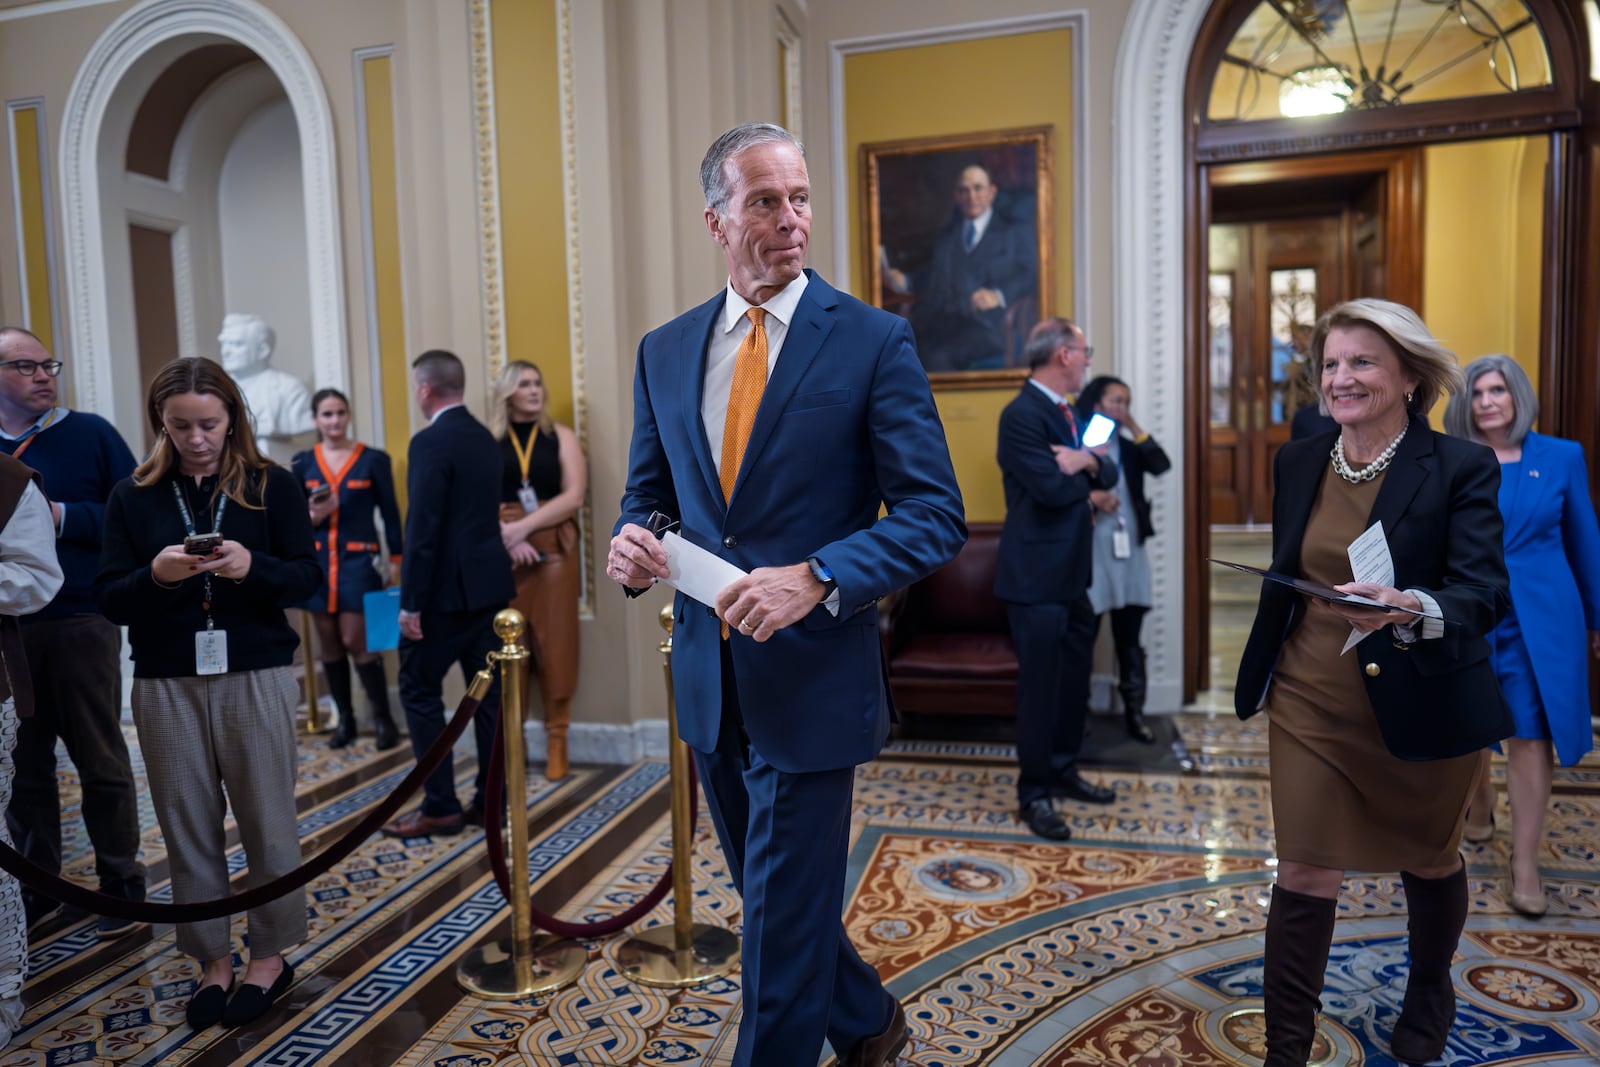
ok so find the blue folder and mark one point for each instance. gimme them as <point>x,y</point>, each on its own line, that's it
<point>382,607</point>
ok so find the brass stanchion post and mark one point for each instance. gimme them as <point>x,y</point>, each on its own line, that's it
<point>315,724</point>
<point>686,953</point>
<point>521,966</point>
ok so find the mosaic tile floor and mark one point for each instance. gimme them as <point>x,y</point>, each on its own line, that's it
<point>1138,943</point>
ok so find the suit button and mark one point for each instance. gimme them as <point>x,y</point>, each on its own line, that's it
<point>1373,670</point>
<point>730,542</point>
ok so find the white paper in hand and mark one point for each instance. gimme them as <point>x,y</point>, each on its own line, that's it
<point>1370,561</point>
<point>696,573</point>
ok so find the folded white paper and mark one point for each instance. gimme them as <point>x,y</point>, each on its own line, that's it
<point>696,573</point>
<point>1370,561</point>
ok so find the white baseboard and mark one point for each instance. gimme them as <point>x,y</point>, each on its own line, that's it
<point>1162,698</point>
<point>597,742</point>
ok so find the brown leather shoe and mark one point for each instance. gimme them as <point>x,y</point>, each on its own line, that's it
<point>883,1050</point>
<point>418,824</point>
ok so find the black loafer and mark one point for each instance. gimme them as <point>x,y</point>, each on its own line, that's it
<point>884,1049</point>
<point>252,1002</point>
<point>1080,788</point>
<point>206,1007</point>
<point>1044,820</point>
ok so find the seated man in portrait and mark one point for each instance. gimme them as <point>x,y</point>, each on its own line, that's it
<point>982,263</point>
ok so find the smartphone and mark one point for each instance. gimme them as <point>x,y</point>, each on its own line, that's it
<point>320,493</point>
<point>1099,431</point>
<point>202,544</point>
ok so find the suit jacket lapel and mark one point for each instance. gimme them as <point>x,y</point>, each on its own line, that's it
<point>813,321</point>
<point>692,342</point>
<point>1056,417</point>
<point>1413,463</point>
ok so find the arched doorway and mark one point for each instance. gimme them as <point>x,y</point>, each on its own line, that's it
<point>112,83</point>
<point>1164,145</point>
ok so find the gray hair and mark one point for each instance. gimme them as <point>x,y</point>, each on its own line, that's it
<point>1458,420</point>
<point>1046,336</point>
<point>442,370</point>
<point>714,176</point>
<point>1421,354</point>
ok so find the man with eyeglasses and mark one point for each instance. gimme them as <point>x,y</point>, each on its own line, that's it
<point>1044,566</point>
<point>74,653</point>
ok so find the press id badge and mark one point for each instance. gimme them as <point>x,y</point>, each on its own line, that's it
<point>211,652</point>
<point>1121,544</point>
<point>528,498</point>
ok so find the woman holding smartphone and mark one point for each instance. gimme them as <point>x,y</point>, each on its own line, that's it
<point>204,548</point>
<point>346,484</point>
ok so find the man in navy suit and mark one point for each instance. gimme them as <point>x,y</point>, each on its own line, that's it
<point>981,265</point>
<point>1044,566</point>
<point>779,684</point>
<point>453,579</point>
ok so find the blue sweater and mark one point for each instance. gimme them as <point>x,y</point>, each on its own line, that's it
<point>80,457</point>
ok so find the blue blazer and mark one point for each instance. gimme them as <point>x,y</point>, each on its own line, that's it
<point>1046,554</point>
<point>846,427</point>
<point>454,559</point>
<point>1553,553</point>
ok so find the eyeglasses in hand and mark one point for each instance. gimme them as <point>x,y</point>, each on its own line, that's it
<point>29,367</point>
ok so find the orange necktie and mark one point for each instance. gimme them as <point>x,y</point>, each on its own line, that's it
<point>744,397</point>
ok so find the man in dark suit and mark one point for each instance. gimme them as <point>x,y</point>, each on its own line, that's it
<point>1043,572</point>
<point>774,421</point>
<point>453,579</point>
<point>981,265</point>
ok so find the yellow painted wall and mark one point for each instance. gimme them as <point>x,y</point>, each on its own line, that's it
<point>377,77</point>
<point>1481,258</point>
<point>30,207</point>
<point>532,217</point>
<point>967,87</point>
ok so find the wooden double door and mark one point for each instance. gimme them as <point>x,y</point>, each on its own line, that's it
<point>1280,253</point>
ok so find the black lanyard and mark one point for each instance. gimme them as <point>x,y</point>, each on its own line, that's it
<point>188,527</point>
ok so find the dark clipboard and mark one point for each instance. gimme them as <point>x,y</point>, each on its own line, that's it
<point>1316,589</point>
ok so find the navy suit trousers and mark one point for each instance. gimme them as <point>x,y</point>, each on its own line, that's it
<point>785,838</point>
<point>1055,649</point>
<point>448,637</point>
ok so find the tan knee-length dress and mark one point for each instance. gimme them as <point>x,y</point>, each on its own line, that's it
<point>1339,799</point>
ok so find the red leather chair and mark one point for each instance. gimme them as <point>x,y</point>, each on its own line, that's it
<point>946,640</point>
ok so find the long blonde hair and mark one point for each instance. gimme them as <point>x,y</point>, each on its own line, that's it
<point>500,404</point>
<point>242,470</point>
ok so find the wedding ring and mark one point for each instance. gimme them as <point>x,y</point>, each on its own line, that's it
<point>747,624</point>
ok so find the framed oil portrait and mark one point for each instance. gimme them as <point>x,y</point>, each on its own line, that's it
<point>958,241</point>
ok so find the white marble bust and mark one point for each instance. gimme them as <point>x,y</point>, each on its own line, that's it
<point>280,406</point>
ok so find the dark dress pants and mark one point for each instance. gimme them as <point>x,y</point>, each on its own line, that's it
<point>75,663</point>
<point>785,838</point>
<point>1055,649</point>
<point>448,638</point>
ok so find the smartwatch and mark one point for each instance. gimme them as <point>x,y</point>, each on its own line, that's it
<point>820,571</point>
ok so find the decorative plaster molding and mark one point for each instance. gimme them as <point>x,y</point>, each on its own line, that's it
<point>118,51</point>
<point>1148,182</point>
<point>481,36</point>
<point>48,7</point>
<point>569,196</point>
<point>1077,22</point>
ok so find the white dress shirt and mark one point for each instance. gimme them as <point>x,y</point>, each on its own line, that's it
<point>726,335</point>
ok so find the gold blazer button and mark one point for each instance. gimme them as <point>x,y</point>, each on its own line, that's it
<point>1373,670</point>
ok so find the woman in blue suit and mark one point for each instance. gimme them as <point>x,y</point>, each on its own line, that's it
<point>1552,548</point>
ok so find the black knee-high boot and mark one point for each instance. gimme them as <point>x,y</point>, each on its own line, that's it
<point>1436,911</point>
<point>337,673</point>
<point>1299,932</point>
<point>376,685</point>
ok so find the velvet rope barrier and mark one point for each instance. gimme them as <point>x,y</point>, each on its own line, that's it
<point>58,888</point>
<point>493,800</point>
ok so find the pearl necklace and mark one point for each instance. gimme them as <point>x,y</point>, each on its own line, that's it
<point>1342,468</point>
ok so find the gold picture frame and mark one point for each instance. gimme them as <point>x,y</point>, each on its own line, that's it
<point>970,294</point>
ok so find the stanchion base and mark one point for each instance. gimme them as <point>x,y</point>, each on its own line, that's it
<point>315,721</point>
<point>489,971</point>
<point>651,958</point>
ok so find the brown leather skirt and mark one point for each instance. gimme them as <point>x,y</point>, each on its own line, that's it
<point>547,596</point>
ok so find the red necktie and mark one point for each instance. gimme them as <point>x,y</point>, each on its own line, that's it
<point>1066,409</point>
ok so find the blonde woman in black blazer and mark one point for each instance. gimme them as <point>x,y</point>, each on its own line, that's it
<point>1374,752</point>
